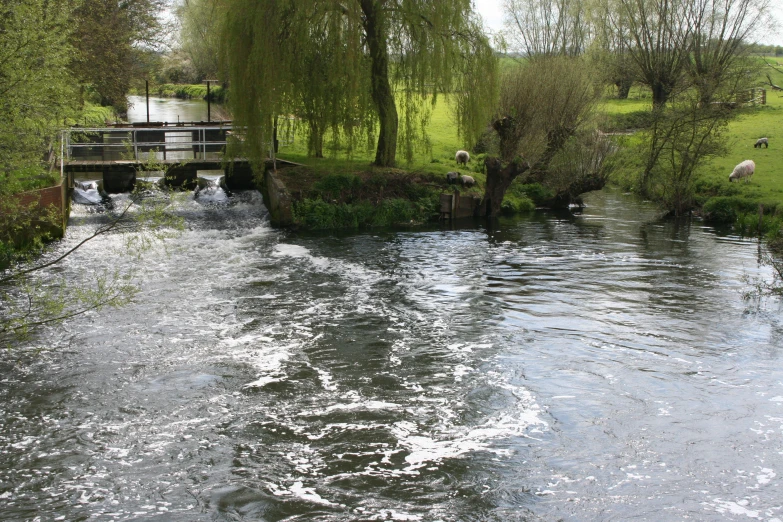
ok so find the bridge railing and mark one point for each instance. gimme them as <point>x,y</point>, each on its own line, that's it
<point>142,143</point>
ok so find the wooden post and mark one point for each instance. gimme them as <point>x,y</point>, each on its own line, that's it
<point>209,101</point>
<point>147,88</point>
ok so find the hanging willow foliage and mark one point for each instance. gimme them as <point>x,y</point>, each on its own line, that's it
<point>355,68</point>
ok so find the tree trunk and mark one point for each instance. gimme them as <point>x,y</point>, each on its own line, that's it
<point>660,94</point>
<point>382,94</point>
<point>499,178</point>
<point>555,141</point>
<point>315,145</point>
<point>624,88</point>
<point>584,184</point>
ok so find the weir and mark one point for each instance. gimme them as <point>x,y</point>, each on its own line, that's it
<point>180,149</point>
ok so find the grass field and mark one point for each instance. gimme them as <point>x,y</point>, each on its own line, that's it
<point>762,121</point>
<point>444,143</point>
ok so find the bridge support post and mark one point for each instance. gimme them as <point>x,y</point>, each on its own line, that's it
<point>181,176</point>
<point>239,176</point>
<point>119,178</point>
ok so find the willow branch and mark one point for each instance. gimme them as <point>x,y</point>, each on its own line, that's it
<point>103,230</point>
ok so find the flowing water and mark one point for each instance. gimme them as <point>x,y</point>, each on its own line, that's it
<point>171,110</point>
<point>599,366</point>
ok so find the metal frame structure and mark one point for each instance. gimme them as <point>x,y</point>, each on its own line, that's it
<point>127,143</point>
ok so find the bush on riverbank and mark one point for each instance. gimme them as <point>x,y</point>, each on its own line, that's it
<point>217,93</point>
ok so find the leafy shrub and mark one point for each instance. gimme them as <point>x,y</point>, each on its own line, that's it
<point>317,214</point>
<point>706,188</point>
<point>192,91</point>
<point>749,225</point>
<point>537,192</point>
<point>721,209</point>
<point>340,187</point>
<point>393,212</point>
<point>628,121</point>
<point>744,214</point>
<point>515,205</point>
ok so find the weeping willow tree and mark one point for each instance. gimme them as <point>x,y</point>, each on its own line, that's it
<point>357,68</point>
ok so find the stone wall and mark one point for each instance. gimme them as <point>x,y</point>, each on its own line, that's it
<point>277,199</point>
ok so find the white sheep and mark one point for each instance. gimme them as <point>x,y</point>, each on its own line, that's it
<point>760,142</point>
<point>452,178</point>
<point>467,181</point>
<point>462,157</point>
<point>743,170</point>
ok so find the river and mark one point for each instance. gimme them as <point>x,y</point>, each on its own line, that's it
<point>597,366</point>
<point>171,110</point>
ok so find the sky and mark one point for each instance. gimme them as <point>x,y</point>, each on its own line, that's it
<point>492,13</point>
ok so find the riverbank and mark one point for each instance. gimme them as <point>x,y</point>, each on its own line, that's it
<point>217,93</point>
<point>752,208</point>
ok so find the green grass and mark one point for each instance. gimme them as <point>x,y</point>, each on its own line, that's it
<point>638,100</point>
<point>764,121</point>
<point>444,143</point>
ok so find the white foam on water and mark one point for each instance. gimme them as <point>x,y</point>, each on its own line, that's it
<point>285,250</point>
<point>451,441</point>
<point>363,405</point>
<point>327,381</point>
<point>390,514</point>
<point>727,507</point>
<point>264,355</point>
<point>211,195</point>
<point>309,494</point>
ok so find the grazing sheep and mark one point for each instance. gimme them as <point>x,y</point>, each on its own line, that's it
<point>452,177</point>
<point>467,181</point>
<point>462,157</point>
<point>743,170</point>
<point>760,142</point>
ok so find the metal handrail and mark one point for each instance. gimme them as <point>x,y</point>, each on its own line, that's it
<point>129,136</point>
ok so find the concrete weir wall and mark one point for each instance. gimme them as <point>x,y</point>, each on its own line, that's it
<point>276,198</point>
<point>56,198</point>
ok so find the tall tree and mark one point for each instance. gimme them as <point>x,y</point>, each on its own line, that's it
<point>111,37</point>
<point>404,52</point>
<point>199,35</point>
<point>719,58</point>
<point>548,27</point>
<point>609,50</point>
<point>543,105</point>
<point>659,42</point>
<point>35,84</point>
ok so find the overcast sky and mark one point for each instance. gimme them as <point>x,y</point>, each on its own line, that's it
<point>492,13</point>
